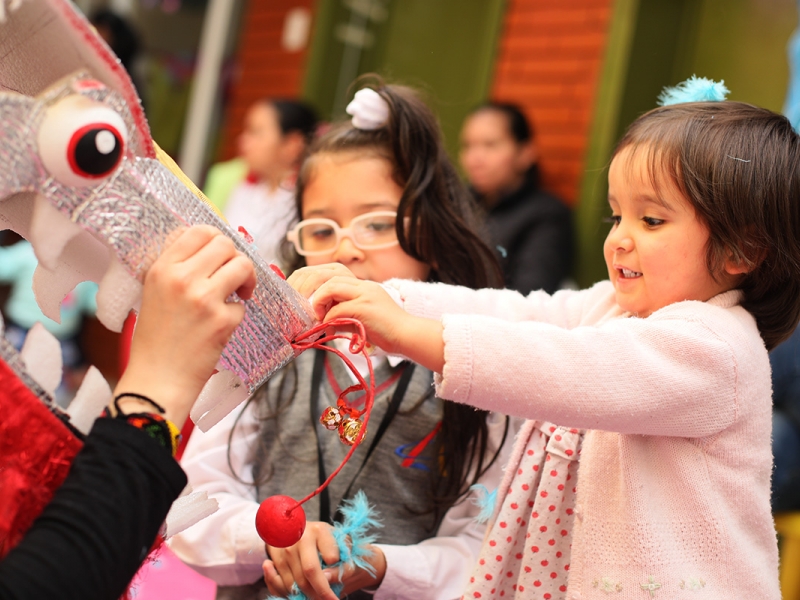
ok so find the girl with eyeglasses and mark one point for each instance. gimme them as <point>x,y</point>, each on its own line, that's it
<point>379,196</point>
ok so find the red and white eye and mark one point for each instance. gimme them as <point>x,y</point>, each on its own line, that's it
<point>81,141</point>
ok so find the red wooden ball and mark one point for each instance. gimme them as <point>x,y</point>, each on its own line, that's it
<point>280,522</point>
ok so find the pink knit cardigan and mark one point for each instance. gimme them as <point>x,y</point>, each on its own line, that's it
<point>673,483</point>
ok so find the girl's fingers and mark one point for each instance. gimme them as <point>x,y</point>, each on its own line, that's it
<point>308,279</point>
<point>328,549</point>
<point>237,275</point>
<point>284,565</point>
<point>314,583</point>
<point>184,243</point>
<point>215,253</point>
<point>334,291</point>
<point>273,580</point>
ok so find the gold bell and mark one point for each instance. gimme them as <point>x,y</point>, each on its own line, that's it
<point>349,430</point>
<point>331,418</point>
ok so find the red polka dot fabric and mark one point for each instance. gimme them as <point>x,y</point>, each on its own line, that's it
<point>526,551</point>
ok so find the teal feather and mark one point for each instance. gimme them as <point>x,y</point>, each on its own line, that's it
<point>486,500</point>
<point>694,89</point>
<point>353,536</point>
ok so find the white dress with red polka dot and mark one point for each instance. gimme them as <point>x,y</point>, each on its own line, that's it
<point>526,551</point>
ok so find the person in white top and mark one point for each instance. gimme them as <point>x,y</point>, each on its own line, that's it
<point>420,455</point>
<point>276,134</point>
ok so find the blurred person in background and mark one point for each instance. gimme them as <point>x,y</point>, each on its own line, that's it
<point>276,134</point>
<point>124,41</point>
<point>530,230</point>
<point>785,363</point>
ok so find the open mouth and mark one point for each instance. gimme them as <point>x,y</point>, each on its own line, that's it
<point>628,273</point>
<point>95,208</point>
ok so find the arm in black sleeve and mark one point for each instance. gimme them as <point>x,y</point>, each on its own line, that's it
<point>91,539</point>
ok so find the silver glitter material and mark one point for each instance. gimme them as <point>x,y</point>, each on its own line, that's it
<point>134,209</point>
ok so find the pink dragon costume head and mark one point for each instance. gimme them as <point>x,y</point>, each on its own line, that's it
<point>83,181</point>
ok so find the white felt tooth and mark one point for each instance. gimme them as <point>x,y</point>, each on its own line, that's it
<point>16,212</point>
<point>223,392</point>
<point>90,399</point>
<point>51,287</point>
<point>188,510</point>
<point>42,355</point>
<point>50,231</point>
<point>117,294</point>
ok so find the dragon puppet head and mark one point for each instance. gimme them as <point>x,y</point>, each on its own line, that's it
<point>83,181</point>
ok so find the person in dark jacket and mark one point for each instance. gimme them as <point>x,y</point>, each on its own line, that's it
<point>785,362</point>
<point>530,229</point>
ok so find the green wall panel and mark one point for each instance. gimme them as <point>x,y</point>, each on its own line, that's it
<point>444,47</point>
<point>654,43</point>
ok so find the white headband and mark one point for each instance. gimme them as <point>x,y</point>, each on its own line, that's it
<point>369,110</point>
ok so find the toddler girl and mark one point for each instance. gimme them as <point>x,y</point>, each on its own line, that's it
<point>380,197</point>
<point>665,365</point>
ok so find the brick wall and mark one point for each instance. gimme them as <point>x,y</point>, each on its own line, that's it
<point>549,60</point>
<point>264,67</point>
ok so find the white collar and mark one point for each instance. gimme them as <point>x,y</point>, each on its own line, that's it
<point>360,363</point>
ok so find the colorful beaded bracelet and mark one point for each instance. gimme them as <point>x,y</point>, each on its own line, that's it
<point>163,431</point>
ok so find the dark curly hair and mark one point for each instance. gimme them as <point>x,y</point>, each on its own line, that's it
<point>739,167</point>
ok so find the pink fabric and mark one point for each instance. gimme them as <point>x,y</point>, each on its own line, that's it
<point>164,577</point>
<point>673,499</point>
<point>527,550</point>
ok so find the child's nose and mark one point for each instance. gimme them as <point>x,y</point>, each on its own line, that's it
<point>620,238</point>
<point>347,252</point>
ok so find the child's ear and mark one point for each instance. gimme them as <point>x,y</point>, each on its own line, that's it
<point>739,265</point>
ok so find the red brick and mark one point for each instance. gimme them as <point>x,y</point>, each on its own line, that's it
<point>548,61</point>
<point>265,68</point>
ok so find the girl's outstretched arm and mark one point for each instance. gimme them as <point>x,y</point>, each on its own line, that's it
<point>335,293</point>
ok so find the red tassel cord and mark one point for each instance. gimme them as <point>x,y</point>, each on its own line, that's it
<point>280,520</point>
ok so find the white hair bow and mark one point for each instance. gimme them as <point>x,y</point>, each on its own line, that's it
<point>369,110</point>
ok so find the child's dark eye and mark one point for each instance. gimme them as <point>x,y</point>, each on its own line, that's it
<point>612,219</point>
<point>652,222</point>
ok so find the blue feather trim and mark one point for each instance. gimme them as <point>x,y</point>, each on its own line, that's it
<point>353,536</point>
<point>694,89</point>
<point>486,500</point>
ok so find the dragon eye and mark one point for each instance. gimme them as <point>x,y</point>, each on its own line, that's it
<point>81,141</point>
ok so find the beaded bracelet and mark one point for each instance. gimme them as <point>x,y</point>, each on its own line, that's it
<point>163,431</point>
<point>150,401</point>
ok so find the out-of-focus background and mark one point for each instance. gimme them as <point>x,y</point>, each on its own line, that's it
<point>582,70</point>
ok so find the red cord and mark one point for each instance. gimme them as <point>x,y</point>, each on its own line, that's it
<point>358,341</point>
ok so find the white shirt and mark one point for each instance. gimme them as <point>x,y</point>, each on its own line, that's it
<point>226,548</point>
<point>265,214</point>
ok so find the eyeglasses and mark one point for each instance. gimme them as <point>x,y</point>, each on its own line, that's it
<point>370,231</point>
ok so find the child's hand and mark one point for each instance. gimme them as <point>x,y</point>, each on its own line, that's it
<point>185,320</point>
<point>300,565</point>
<point>308,279</point>
<point>335,292</point>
